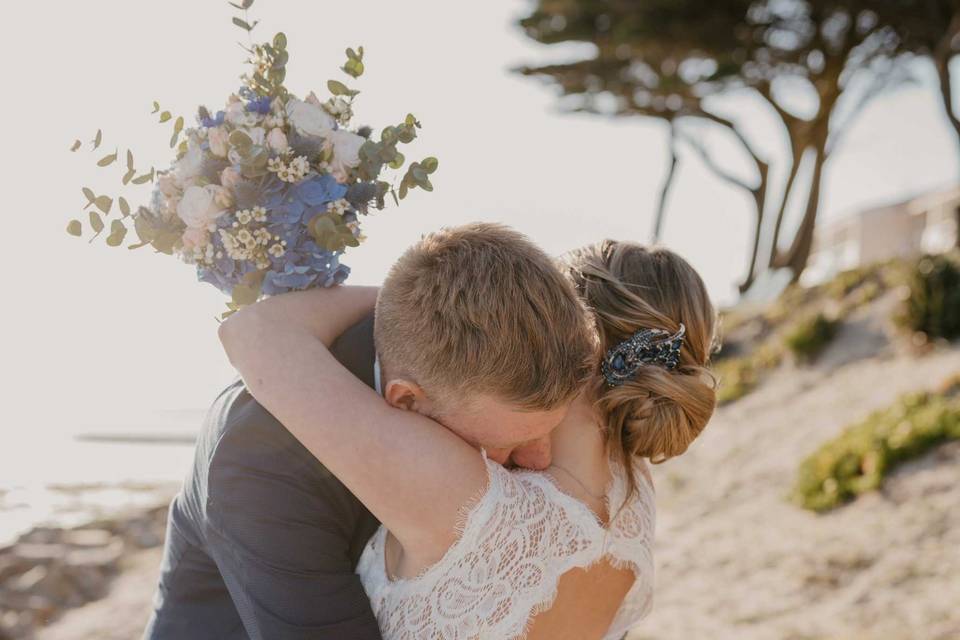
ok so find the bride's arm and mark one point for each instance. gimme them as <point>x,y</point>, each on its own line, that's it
<point>413,474</point>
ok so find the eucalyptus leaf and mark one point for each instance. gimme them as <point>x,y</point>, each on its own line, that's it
<point>107,160</point>
<point>74,228</point>
<point>280,40</point>
<point>104,203</point>
<point>143,179</point>
<point>129,175</point>
<point>89,195</point>
<point>243,24</point>
<point>243,295</point>
<point>96,221</point>
<point>166,115</point>
<point>240,140</point>
<point>124,206</point>
<point>178,125</point>
<point>174,138</point>
<point>397,161</point>
<point>98,139</point>
<point>337,88</point>
<point>76,145</point>
<point>430,164</point>
<point>156,106</point>
<point>129,160</point>
<point>118,232</point>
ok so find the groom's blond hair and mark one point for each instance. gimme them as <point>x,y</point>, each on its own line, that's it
<point>481,309</point>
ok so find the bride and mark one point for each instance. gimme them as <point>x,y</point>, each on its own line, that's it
<point>469,548</point>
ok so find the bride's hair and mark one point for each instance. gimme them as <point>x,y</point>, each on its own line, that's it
<point>658,412</point>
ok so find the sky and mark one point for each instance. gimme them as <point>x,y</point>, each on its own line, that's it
<point>93,336</point>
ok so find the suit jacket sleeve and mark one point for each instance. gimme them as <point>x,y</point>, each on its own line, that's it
<point>284,532</point>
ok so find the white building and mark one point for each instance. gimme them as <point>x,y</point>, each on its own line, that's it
<point>925,224</point>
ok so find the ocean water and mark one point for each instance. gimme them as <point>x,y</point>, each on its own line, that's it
<point>70,475</point>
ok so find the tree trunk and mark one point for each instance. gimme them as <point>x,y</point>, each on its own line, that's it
<point>759,197</point>
<point>781,212</point>
<point>796,257</point>
<point>941,59</point>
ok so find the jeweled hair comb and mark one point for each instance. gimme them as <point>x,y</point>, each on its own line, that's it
<point>646,347</point>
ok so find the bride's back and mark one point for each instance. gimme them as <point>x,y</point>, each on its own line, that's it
<point>569,552</point>
<point>523,539</point>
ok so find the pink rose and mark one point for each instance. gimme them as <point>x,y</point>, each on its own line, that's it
<point>230,178</point>
<point>195,238</point>
<point>277,140</point>
<point>168,186</point>
<point>346,152</point>
<point>217,137</point>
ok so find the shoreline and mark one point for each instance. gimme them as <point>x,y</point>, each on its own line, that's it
<point>51,572</point>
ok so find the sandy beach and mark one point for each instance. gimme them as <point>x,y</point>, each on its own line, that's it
<point>735,559</point>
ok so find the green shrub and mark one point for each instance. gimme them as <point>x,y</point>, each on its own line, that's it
<point>859,458</point>
<point>808,338</point>
<point>933,306</point>
<point>736,376</point>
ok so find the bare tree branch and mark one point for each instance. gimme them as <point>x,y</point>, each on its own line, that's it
<point>665,189</point>
<point>712,164</point>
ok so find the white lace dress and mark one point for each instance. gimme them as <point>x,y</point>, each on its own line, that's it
<point>517,541</point>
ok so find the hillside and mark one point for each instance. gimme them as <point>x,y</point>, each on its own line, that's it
<point>736,559</point>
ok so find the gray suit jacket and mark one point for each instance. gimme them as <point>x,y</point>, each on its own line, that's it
<point>262,540</point>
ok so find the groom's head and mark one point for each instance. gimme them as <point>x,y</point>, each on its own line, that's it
<point>478,329</point>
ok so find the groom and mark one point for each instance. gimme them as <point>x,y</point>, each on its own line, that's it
<point>262,540</point>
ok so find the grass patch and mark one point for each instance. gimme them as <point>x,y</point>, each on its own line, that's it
<point>859,458</point>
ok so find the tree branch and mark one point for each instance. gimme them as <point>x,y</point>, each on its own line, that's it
<point>665,189</point>
<point>712,164</point>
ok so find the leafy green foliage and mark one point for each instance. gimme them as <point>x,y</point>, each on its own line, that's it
<point>859,458</point>
<point>331,232</point>
<point>74,228</point>
<point>337,88</point>
<point>809,336</point>
<point>933,304</point>
<point>354,64</point>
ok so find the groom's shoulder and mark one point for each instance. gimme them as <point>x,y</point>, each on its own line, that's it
<point>239,431</point>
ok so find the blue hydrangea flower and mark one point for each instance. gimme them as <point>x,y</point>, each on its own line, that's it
<point>289,203</point>
<point>260,105</point>
<point>215,121</point>
<point>304,264</point>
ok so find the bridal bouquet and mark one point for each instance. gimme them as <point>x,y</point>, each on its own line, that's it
<point>265,194</point>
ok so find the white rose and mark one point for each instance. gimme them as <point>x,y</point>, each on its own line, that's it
<point>189,166</point>
<point>309,119</point>
<point>237,115</point>
<point>277,140</point>
<point>198,208</point>
<point>346,152</point>
<point>217,136</point>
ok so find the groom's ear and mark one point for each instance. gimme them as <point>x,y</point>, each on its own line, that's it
<point>404,394</point>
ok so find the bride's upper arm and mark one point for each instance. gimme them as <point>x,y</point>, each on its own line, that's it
<point>413,474</point>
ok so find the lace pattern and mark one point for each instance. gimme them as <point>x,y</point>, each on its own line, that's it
<point>517,540</point>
